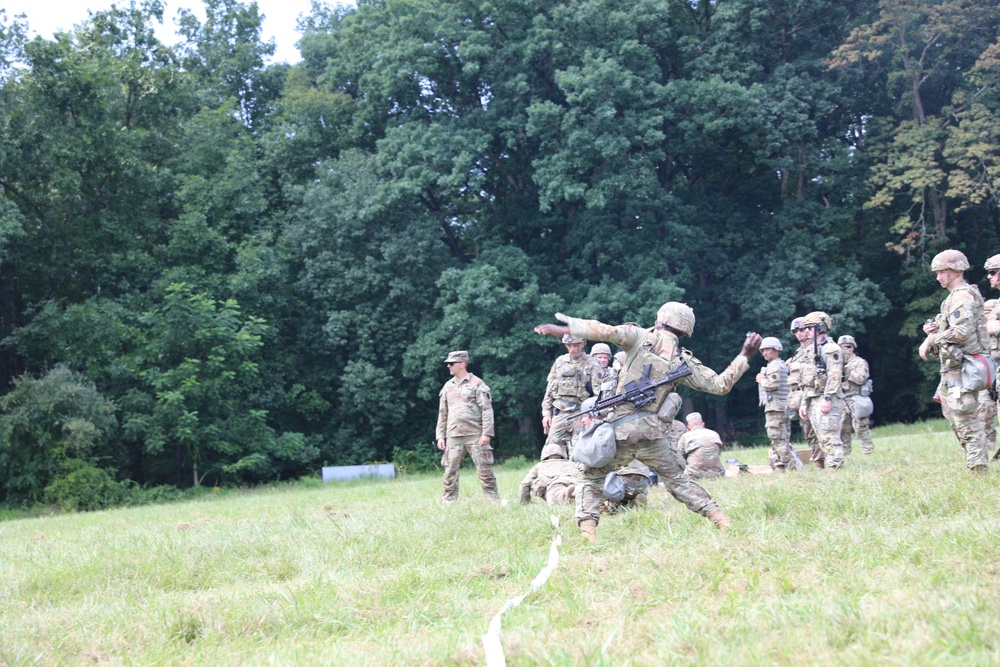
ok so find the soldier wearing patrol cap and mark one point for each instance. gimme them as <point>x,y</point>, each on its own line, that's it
<point>957,331</point>
<point>773,391</point>
<point>857,389</point>
<point>573,378</point>
<point>465,424</point>
<point>821,375</point>
<point>641,431</point>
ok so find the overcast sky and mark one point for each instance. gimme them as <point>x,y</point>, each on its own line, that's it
<point>48,16</point>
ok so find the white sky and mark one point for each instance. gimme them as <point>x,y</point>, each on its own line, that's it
<point>45,17</point>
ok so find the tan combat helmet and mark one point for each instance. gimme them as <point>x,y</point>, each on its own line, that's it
<point>552,451</point>
<point>676,315</point>
<point>992,263</point>
<point>600,348</point>
<point>772,343</point>
<point>818,319</point>
<point>796,324</point>
<point>952,259</point>
<point>569,339</point>
<point>847,339</point>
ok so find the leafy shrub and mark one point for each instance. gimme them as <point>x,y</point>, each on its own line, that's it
<point>80,486</point>
<point>423,457</point>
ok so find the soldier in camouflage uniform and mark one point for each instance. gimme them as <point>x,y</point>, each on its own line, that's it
<point>987,404</point>
<point>958,330</point>
<point>822,395</point>
<point>609,376</point>
<point>553,479</point>
<point>795,386</point>
<point>574,377</point>
<point>640,433</point>
<point>465,424</point>
<point>773,391</point>
<point>856,375</point>
<point>701,448</point>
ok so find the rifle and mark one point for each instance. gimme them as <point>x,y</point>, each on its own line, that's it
<point>817,357</point>
<point>639,392</point>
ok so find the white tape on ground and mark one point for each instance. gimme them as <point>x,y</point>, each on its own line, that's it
<point>491,640</point>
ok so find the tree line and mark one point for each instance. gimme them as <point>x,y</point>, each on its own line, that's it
<point>217,270</point>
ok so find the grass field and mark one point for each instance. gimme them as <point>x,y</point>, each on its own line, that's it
<point>894,560</point>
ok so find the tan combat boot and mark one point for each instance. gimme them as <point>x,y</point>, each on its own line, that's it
<point>720,520</point>
<point>588,530</point>
<point>976,471</point>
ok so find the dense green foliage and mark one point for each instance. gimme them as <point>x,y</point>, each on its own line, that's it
<point>260,266</point>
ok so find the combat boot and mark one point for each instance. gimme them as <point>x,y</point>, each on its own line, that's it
<point>588,530</point>
<point>977,471</point>
<point>720,520</point>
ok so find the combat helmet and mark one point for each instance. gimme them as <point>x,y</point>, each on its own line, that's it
<point>818,319</point>
<point>552,451</point>
<point>676,315</point>
<point>847,339</point>
<point>992,263</point>
<point>600,348</point>
<point>772,343</point>
<point>952,259</point>
<point>569,339</point>
<point>796,324</point>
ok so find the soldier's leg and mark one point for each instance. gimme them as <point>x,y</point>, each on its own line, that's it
<point>558,494</point>
<point>662,458</point>
<point>988,414</point>
<point>454,452</point>
<point>827,428</point>
<point>482,456</point>
<point>561,433</point>
<point>847,427</point>
<point>776,424</point>
<point>962,412</point>
<point>862,427</point>
<point>809,433</point>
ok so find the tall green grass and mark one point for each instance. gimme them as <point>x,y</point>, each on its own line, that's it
<point>893,560</point>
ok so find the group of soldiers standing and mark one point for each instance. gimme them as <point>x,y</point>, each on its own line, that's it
<point>824,385</point>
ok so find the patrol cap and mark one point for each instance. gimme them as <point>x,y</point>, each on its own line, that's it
<point>952,259</point>
<point>600,348</point>
<point>772,343</point>
<point>992,263</point>
<point>847,339</point>
<point>458,355</point>
<point>569,339</point>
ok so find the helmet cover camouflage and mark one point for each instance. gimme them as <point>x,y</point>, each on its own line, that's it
<point>552,451</point>
<point>992,263</point>
<point>678,316</point>
<point>570,339</point>
<point>771,343</point>
<point>796,324</point>
<point>818,319</point>
<point>847,339</point>
<point>951,259</point>
<point>600,348</point>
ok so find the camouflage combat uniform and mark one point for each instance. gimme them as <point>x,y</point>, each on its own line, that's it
<point>774,391</point>
<point>855,375</point>
<point>796,395</point>
<point>961,331</point>
<point>553,480</point>
<point>570,382</point>
<point>988,406</point>
<point>641,434</point>
<point>702,450</point>
<point>824,386</point>
<point>465,414</point>
<point>638,478</point>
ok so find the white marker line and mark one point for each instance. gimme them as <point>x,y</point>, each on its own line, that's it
<point>491,640</point>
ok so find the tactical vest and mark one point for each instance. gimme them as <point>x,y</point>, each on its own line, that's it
<point>660,367</point>
<point>980,342</point>
<point>569,386</point>
<point>779,396</point>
